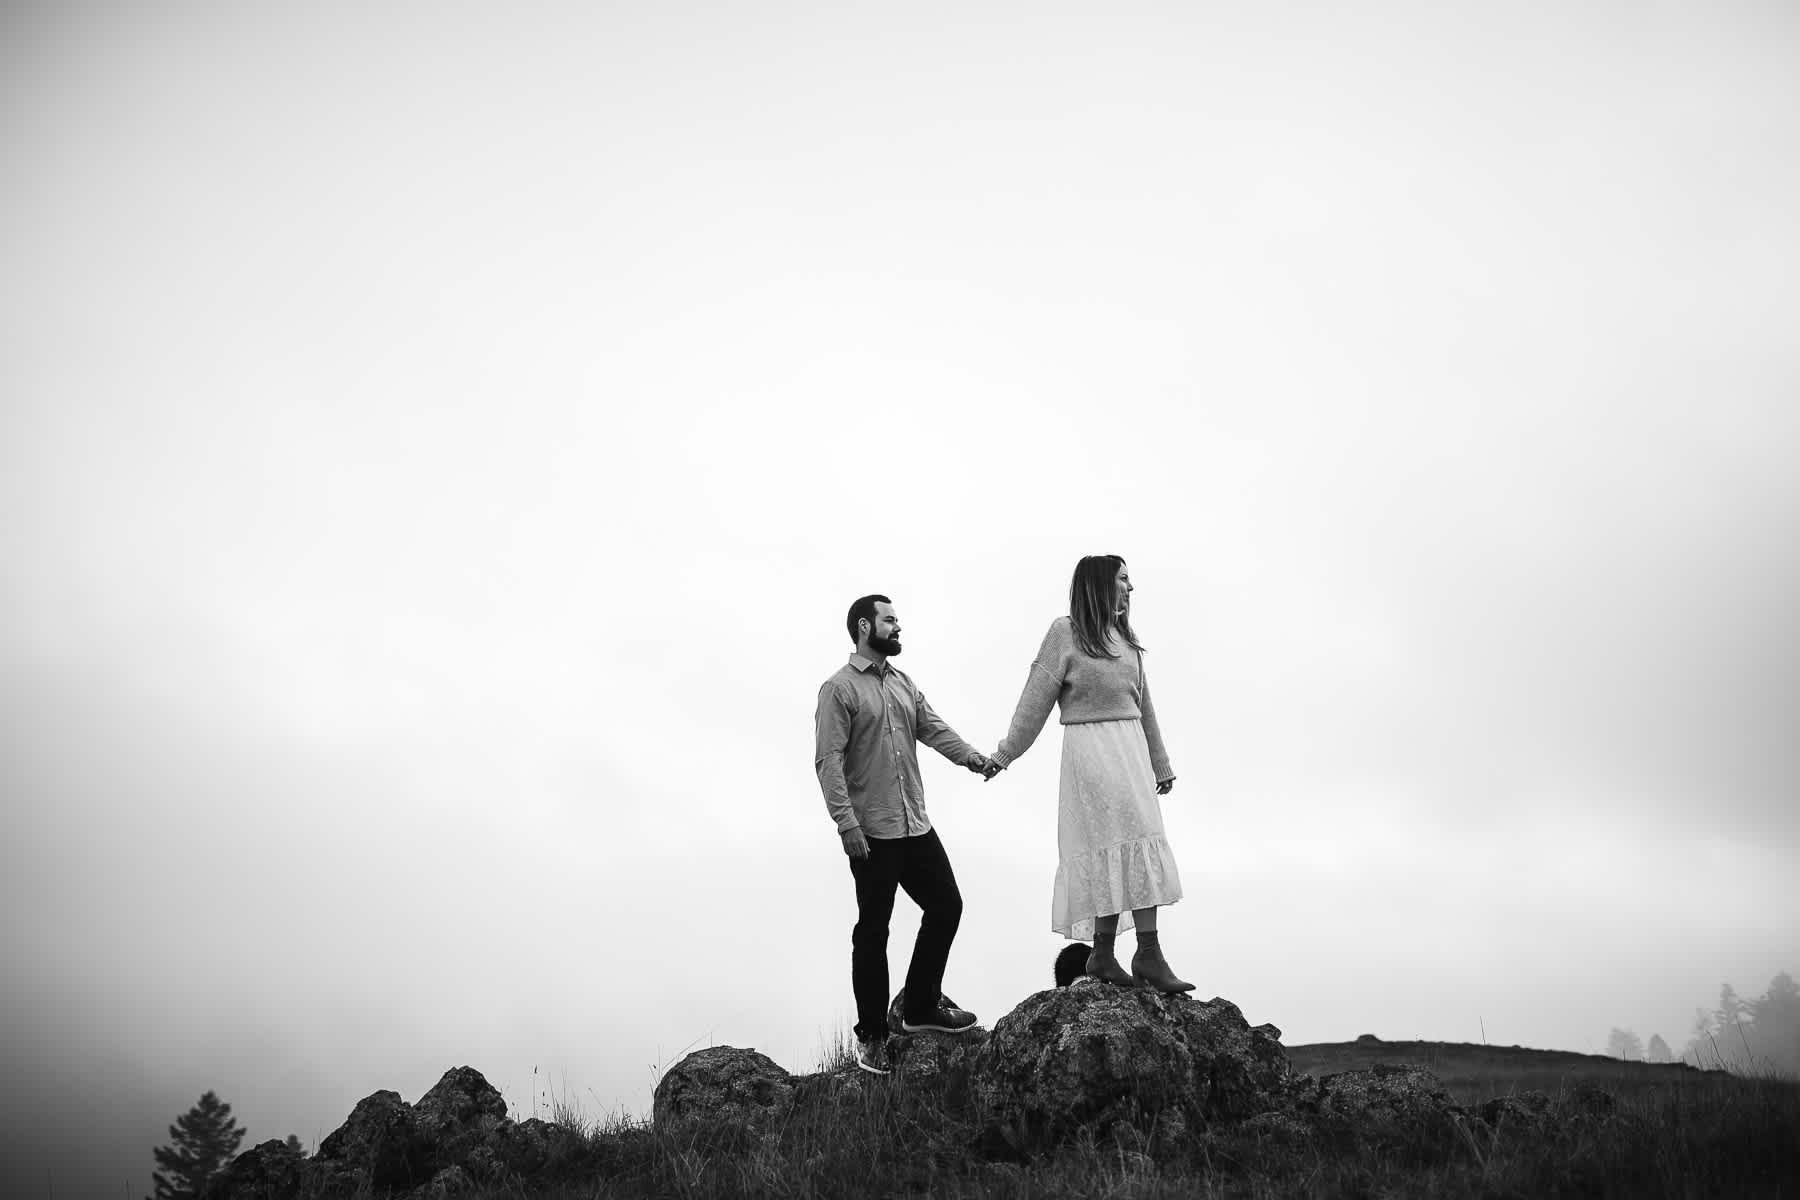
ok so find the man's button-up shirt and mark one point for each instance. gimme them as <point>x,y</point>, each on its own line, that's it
<point>869,721</point>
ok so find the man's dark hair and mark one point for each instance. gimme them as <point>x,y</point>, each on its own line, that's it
<point>863,610</point>
<point>1093,605</point>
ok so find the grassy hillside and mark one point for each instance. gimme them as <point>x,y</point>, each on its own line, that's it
<point>1674,1132</point>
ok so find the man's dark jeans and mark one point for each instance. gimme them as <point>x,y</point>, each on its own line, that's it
<point>919,865</point>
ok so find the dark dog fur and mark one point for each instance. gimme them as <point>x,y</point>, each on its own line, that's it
<point>1071,964</point>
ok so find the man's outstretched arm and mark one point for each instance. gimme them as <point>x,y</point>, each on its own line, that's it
<point>935,732</point>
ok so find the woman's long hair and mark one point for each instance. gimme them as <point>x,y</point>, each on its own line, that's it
<point>1094,606</point>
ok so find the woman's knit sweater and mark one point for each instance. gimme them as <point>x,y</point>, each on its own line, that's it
<point>1086,689</point>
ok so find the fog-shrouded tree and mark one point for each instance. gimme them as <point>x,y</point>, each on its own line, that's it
<point>1658,1050</point>
<point>201,1141</point>
<point>1622,1043</point>
<point>1775,1017</point>
<point>1760,1034</point>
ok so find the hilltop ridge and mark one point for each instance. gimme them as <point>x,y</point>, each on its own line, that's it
<point>1474,1072</point>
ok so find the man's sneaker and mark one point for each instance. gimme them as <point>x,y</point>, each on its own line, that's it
<point>942,1019</point>
<point>872,1056</point>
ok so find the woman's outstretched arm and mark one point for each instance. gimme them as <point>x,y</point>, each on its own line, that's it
<point>1043,684</point>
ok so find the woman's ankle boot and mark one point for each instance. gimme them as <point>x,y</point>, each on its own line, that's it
<point>1149,967</point>
<point>1103,965</point>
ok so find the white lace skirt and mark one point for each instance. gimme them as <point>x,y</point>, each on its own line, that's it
<point>1109,830</point>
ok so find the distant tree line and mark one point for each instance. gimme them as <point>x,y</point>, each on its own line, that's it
<point>1624,1044</point>
<point>1758,1036</point>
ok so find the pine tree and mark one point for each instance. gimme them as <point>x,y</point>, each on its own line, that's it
<point>201,1142</point>
<point>1658,1051</point>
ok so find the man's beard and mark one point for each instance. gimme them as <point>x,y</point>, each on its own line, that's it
<point>884,646</point>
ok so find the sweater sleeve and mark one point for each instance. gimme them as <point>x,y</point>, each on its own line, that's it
<point>1159,757</point>
<point>1043,684</point>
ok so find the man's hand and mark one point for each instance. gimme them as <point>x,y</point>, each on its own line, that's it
<point>1164,786</point>
<point>979,764</point>
<point>990,770</point>
<point>855,844</point>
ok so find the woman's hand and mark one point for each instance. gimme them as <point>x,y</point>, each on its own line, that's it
<point>1163,787</point>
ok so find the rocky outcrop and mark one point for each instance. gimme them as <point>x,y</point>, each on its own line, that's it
<point>1091,1055</point>
<point>1142,1068</point>
<point>454,1139</point>
<point>377,1147</point>
<point>1384,1100</point>
<point>1528,1109</point>
<point>723,1084</point>
<point>461,1104</point>
<point>1149,1071</point>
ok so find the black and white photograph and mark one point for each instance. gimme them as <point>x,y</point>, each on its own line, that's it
<point>580,587</point>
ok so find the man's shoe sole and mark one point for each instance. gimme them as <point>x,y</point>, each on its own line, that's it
<point>909,1027</point>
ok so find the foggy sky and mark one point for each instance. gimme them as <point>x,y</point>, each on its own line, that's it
<point>438,453</point>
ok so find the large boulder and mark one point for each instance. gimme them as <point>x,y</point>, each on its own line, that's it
<point>725,1084</point>
<point>1091,1056</point>
<point>378,1146</point>
<point>462,1099</point>
<point>461,1114</point>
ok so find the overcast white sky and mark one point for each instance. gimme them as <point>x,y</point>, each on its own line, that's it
<point>439,449</point>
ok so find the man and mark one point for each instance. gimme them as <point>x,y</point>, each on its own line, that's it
<point>869,718</point>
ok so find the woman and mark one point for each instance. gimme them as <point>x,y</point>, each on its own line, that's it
<point>1116,867</point>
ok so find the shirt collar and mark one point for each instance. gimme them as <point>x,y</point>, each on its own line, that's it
<point>866,665</point>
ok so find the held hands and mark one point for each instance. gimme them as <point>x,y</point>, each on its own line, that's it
<point>984,766</point>
<point>1164,786</point>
